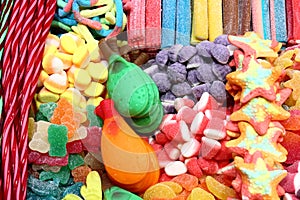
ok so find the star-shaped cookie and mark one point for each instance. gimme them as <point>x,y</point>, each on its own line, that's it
<point>293,83</point>
<point>259,179</point>
<point>257,78</point>
<point>249,142</point>
<point>259,112</point>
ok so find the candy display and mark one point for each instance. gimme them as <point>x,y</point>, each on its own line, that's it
<point>151,99</point>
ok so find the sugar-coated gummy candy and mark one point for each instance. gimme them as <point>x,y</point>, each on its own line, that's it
<point>46,168</point>
<point>181,89</point>
<point>192,77</point>
<point>186,53</point>
<point>62,176</point>
<point>75,160</point>
<point>39,158</point>
<point>47,109</point>
<point>93,187</point>
<point>198,193</point>
<point>222,39</point>
<point>173,52</point>
<point>92,141</point>
<point>187,181</point>
<point>74,147</point>
<point>153,69</point>
<point>92,117</point>
<point>194,62</point>
<point>204,48</point>
<point>168,96</point>
<point>205,74</point>
<point>291,143</point>
<point>218,189</point>
<point>217,90</point>
<point>57,137</point>
<point>32,196</point>
<point>200,89</point>
<point>220,53</point>
<point>220,71</point>
<point>73,189</point>
<point>40,117</point>
<point>162,81</point>
<point>162,58</point>
<point>31,127</point>
<point>80,173</point>
<point>43,188</point>
<point>177,72</point>
<point>175,186</point>
<point>115,192</point>
<point>159,190</point>
<point>93,162</point>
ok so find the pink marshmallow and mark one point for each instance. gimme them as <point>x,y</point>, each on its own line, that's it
<point>199,123</point>
<point>171,128</point>
<point>215,129</point>
<point>221,114</point>
<point>190,148</point>
<point>193,167</point>
<point>186,114</point>
<point>161,138</point>
<point>175,168</point>
<point>180,102</point>
<point>185,134</point>
<point>166,118</point>
<point>228,170</point>
<point>209,147</point>
<point>172,151</point>
<point>163,158</point>
<point>206,102</point>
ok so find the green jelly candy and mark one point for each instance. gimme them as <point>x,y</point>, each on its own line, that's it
<point>40,117</point>
<point>92,117</point>
<point>115,192</point>
<point>58,138</point>
<point>62,176</point>
<point>73,189</point>
<point>75,160</point>
<point>47,109</point>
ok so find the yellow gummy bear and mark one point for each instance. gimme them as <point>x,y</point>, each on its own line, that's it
<point>93,188</point>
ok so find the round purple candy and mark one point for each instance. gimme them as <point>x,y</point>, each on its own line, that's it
<point>162,82</point>
<point>221,71</point>
<point>173,52</point>
<point>162,58</point>
<point>220,53</point>
<point>186,53</point>
<point>205,74</point>
<point>177,72</point>
<point>192,77</point>
<point>200,89</point>
<point>181,89</point>
<point>204,48</point>
<point>222,39</point>
<point>217,90</point>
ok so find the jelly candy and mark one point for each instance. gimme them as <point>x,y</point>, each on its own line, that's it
<point>39,142</point>
<point>73,189</point>
<point>199,193</point>
<point>187,181</point>
<point>79,134</point>
<point>218,189</point>
<point>39,158</point>
<point>159,190</point>
<point>46,168</point>
<point>43,188</point>
<point>80,173</point>
<point>92,142</point>
<point>71,197</point>
<point>118,193</point>
<point>47,109</point>
<point>62,176</point>
<point>57,137</point>
<point>291,143</point>
<point>175,186</point>
<point>75,160</point>
<point>40,117</point>
<point>94,119</point>
<point>93,162</point>
<point>31,127</point>
<point>74,147</point>
<point>93,188</point>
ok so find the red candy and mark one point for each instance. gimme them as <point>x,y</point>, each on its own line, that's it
<point>208,166</point>
<point>39,159</point>
<point>209,148</point>
<point>291,142</point>
<point>206,102</point>
<point>215,129</point>
<point>186,114</point>
<point>193,167</point>
<point>199,123</point>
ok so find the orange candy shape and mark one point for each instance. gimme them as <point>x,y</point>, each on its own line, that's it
<point>187,181</point>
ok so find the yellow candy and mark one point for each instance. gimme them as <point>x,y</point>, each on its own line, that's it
<point>215,23</point>
<point>52,64</point>
<point>43,76</point>
<point>82,103</point>
<point>46,96</point>
<point>159,190</point>
<point>174,186</point>
<point>297,57</point>
<point>198,193</point>
<point>218,189</point>
<point>95,101</point>
<point>72,197</point>
<point>81,57</point>
<point>31,127</point>
<point>93,188</point>
<point>57,83</point>
<point>200,21</point>
<point>93,49</point>
<point>68,43</point>
<point>73,95</point>
<point>110,17</point>
<point>94,89</point>
<point>66,58</point>
<point>70,74</point>
<point>52,40</point>
<point>82,79</point>
<point>98,71</point>
<point>37,102</point>
<point>49,49</point>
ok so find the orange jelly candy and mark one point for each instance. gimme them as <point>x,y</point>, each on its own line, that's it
<point>187,181</point>
<point>218,189</point>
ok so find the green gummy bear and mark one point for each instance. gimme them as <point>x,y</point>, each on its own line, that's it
<point>92,117</point>
<point>40,117</point>
<point>58,138</point>
<point>62,176</point>
<point>47,109</point>
<point>75,160</point>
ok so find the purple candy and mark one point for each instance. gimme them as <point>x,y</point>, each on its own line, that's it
<point>205,74</point>
<point>162,58</point>
<point>204,48</point>
<point>194,62</point>
<point>221,71</point>
<point>200,89</point>
<point>222,39</point>
<point>192,77</point>
<point>177,73</point>
<point>148,64</point>
<point>217,90</point>
<point>168,96</point>
<point>220,53</point>
<point>186,53</point>
<point>173,52</point>
<point>153,69</point>
<point>181,89</point>
<point>162,82</point>
<point>168,108</point>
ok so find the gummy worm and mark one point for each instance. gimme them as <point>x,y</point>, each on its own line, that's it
<point>98,11</point>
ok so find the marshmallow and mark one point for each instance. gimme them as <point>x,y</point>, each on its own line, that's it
<point>57,83</point>
<point>81,57</point>
<point>52,64</point>
<point>46,96</point>
<point>73,95</point>
<point>49,49</point>
<point>98,71</point>
<point>175,168</point>
<point>190,148</point>
<point>94,89</point>
<point>94,101</point>
<point>52,40</point>
<point>81,79</point>
<point>43,76</point>
<point>68,43</point>
<point>66,59</point>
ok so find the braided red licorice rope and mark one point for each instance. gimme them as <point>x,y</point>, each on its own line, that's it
<point>15,137</point>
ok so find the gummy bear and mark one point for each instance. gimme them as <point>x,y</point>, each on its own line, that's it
<point>47,109</point>
<point>94,119</point>
<point>43,188</point>
<point>93,188</point>
<point>57,137</point>
<point>80,173</point>
<point>39,158</point>
<point>62,176</point>
<point>75,160</point>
